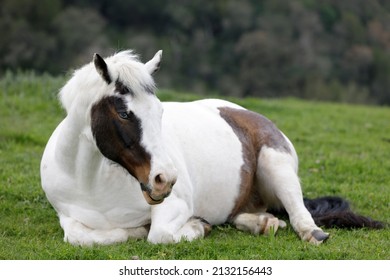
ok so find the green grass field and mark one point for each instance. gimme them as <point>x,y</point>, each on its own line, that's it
<point>344,150</point>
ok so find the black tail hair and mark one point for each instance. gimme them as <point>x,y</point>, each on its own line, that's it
<point>331,211</point>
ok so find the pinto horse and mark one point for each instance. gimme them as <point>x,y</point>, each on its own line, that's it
<point>124,165</point>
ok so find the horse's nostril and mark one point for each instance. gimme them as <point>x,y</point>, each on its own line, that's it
<point>159,179</point>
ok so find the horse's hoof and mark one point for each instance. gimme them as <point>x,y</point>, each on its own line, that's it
<point>319,236</point>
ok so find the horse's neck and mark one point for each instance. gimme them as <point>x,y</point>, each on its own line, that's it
<point>75,148</point>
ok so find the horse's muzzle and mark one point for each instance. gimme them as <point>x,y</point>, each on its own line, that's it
<point>151,197</point>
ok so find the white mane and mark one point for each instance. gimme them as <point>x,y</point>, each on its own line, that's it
<point>86,86</point>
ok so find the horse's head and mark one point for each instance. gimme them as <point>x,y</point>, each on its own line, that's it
<point>126,122</point>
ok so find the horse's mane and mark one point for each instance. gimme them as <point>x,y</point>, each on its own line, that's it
<point>86,86</point>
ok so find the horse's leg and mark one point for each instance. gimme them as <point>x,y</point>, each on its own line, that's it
<point>195,227</point>
<point>77,233</point>
<point>172,222</point>
<point>279,184</point>
<point>258,223</point>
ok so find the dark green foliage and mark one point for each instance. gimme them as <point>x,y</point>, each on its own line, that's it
<point>324,50</point>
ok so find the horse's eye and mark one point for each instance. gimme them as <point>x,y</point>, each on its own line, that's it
<point>123,115</point>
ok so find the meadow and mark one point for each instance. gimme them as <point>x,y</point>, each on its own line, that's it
<point>344,150</point>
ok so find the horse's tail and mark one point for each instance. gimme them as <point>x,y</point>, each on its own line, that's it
<point>330,211</point>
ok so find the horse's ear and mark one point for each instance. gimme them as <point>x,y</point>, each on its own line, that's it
<point>101,68</point>
<point>153,65</point>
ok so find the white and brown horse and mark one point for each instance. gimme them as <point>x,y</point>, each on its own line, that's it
<point>123,164</point>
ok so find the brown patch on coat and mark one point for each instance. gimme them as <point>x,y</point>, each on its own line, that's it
<point>118,138</point>
<point>254,132</point>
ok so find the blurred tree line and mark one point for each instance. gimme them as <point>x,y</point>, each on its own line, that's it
<point>317,49</point>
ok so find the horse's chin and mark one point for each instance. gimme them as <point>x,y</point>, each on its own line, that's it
<point>150,200</point>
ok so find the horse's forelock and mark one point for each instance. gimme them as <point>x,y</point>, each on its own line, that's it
<point>132,73</point>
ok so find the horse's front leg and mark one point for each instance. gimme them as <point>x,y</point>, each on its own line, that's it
<point>173,221</point>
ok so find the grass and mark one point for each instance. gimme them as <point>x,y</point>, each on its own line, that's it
<point>344,150</point>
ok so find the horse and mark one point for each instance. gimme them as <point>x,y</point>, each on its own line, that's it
<point>122,164</point>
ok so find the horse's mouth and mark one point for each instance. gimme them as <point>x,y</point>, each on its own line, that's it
<point>150,200</point>
<point>149,197</point>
